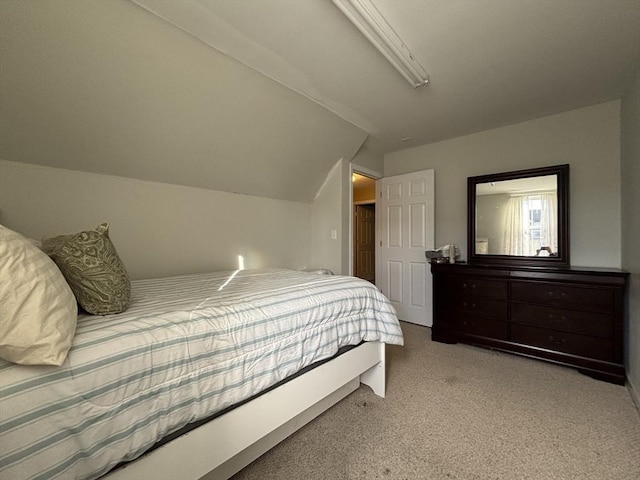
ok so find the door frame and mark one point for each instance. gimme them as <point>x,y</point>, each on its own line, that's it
<point>368,173</point>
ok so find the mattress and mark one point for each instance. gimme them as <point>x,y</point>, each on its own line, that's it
<point>187,347</point>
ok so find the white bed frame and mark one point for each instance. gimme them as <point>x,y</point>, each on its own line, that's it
<point>222,447</point>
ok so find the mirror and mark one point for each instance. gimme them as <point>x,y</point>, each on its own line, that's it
<point>520,218</point>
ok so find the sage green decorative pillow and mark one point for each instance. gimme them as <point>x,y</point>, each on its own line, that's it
<point>90,264</point>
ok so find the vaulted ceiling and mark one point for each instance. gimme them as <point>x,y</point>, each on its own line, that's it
<point>263,96</point>
<point>106,87</point>
<point>491,62</point>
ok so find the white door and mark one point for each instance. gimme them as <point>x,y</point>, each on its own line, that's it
<point>405,216</point>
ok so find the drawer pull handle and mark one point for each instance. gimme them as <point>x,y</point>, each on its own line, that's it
<point>556,341</point>
<point>562,318</point>
<point>552,294</point>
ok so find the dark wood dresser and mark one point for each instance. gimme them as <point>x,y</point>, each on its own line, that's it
<point>570,316</point>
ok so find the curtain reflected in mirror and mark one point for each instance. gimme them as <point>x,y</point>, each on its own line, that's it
<point>531,226</point>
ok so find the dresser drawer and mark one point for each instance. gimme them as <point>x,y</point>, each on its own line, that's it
<point>582,345</point>
<point>477,326</point>
<point>570,316</point>
<point>601,299</point>
<point>477,287</point>
<point>479,307</point>
<point>573,321</point>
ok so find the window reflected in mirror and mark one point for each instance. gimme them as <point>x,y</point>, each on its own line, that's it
<point>517,217</point>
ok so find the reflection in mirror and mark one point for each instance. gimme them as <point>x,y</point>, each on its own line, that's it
<point>517,217</point>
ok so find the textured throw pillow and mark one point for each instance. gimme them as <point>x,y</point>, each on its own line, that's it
<point>90,263</point>
<point>38,312</point>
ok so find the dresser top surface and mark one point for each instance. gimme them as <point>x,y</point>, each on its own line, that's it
<point>587,275</point>
<point>533,269</point>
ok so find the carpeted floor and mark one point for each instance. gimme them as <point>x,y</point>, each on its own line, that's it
<point>462,412</point>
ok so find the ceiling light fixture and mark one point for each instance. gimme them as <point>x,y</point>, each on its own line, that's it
<point>366,17</point>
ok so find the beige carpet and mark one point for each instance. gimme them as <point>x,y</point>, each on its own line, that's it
<point>462,412</point>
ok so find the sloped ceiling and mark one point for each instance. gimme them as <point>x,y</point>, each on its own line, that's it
<point>107,87</point>
<point>491,62</point>
<point>264,96</point>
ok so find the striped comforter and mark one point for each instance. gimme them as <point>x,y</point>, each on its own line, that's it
<point>186,348</point>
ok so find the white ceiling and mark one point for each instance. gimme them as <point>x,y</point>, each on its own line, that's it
<point>181,91</point>
<point>491,62</point>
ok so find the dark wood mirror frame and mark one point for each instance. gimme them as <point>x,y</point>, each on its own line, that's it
<point>561,260</point>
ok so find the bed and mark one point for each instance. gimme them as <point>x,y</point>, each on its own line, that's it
<point>186,349</point>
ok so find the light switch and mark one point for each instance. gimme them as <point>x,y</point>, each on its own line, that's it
<point>334,234</point>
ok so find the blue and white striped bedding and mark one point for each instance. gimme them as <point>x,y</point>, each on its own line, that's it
<point>186,348</point>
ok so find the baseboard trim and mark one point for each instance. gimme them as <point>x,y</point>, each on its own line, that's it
<point>635,393</point>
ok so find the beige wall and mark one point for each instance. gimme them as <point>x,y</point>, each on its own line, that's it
<point>491,215</point>
<point>158,229</point>
<point>369,159</point>
<point>630,119</point>
<point>588,139</point>
<point>326,215</point>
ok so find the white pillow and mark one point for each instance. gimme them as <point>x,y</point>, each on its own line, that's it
<point>38,311</point>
